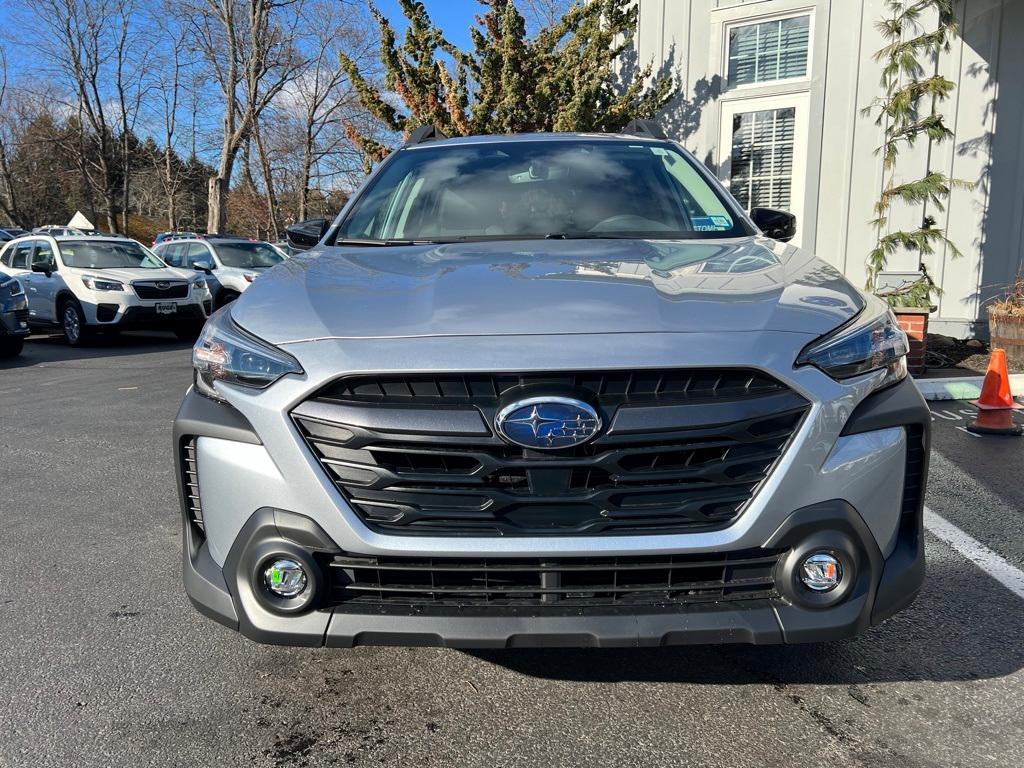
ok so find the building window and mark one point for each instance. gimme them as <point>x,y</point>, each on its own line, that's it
<point>761,172</point>
<point>769,51</point>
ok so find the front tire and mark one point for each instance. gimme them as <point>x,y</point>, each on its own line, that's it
<point>226,297</point>
<point>72,322</point>
<point>11,346</point>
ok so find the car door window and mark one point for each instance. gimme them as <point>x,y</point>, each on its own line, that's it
<point>44,254</point>
<point>171,254</point>
<point>21,254</point>
<point>197,252</point>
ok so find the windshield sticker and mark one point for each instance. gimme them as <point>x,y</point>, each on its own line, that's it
<point>711,223</point>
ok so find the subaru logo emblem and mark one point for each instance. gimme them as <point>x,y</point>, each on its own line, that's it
<point>163,285</point>
<point>548,422</point>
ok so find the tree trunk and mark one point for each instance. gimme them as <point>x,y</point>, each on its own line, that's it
<point>268,181</point>
<point>216,215</point>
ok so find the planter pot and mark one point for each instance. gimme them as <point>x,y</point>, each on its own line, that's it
<point>1007,331</point>
<point>914,321</point>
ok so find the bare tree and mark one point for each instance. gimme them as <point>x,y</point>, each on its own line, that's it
<point>8,194</point>
<point>82,40</point>
<point>250,48</point>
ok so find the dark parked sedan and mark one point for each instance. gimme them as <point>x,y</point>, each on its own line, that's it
<point>13,316</point>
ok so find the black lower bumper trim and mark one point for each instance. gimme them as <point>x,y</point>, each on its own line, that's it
<point>878,589</point>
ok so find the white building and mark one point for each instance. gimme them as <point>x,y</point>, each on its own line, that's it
<point>781,84</point>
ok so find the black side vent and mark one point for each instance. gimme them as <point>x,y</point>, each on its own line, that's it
<point>913,482</point>
<point>190,480</point>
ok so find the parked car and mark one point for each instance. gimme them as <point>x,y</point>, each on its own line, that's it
<point>551,389</point>
<point>159,237</point>
<point>231,263</point>
<point>82,284</point>
<point>9,233</point>
<point>13,316</point>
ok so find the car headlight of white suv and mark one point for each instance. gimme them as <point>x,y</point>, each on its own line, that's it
<point>224,352</point>
<point>94,283</point>
<point>872,341</point>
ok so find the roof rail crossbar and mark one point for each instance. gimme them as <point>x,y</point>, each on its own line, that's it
<point>646,128</point>
<point>423,134</point>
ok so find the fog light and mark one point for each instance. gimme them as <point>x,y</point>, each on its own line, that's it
<point>285,578</point>
<point>821,572</point>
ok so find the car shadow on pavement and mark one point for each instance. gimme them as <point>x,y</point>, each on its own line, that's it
<point>963,626</point>
<point>45,349</point>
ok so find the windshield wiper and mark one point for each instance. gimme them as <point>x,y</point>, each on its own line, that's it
<point>382,243</point>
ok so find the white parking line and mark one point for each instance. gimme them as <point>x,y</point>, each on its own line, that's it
<point>993,564</point>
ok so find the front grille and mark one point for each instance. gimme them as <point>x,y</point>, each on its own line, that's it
<point>190,483</point>
<point>154,290</point>
<point>362,583</point>
<point>21,315</point>
<point>674,457</point>
<point>611,387</point>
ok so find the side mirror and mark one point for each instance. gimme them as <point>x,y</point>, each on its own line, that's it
<point>778,225</point>
<point>203,266</point>
<point>46,267</point>
<point>303,235</point>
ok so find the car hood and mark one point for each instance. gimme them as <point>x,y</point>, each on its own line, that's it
<point>547,287</point>
<point>129,275</point>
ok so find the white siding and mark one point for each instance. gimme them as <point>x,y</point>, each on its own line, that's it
<point>843,174</point>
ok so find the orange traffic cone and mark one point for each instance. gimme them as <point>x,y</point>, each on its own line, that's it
<point>995,423</point>
<point>996,404</point>
<point>995,391</point>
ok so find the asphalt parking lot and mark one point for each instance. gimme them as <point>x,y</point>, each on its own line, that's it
<point>106,664</point>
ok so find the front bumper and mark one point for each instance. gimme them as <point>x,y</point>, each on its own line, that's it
<point>146,317</point>
<point>14,322</point>
<point>887,560</point>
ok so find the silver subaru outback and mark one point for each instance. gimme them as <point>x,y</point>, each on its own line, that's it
<point>551,389</point>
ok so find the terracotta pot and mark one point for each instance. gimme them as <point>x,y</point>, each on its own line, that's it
<point>1007,332</point>
<point>914,321</point>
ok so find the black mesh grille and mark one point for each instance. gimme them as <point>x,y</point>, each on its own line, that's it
<point>913,480</point>
<point>174,290</point>
<point>190,480</point>
<point>658,481</point>
<point>611,387</point>
<point>21,315</point>
<point>557,583</point>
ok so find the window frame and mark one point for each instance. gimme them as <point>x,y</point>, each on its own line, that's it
<point>750,21</point>
<point>801,102</point>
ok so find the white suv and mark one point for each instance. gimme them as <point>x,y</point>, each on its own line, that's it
<point>82,283</point>
<point>230,263</point>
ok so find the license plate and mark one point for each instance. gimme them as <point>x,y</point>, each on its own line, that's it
<point>166,309</point>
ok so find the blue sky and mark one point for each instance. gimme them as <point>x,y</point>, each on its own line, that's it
<point>453,16</point>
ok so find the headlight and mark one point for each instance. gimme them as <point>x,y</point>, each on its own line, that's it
<point>17,289</point>
<point>872,341</point>
<point>249,276</point>
<point>94,283</point>
<point>224,352</point>
<point>199,285</point>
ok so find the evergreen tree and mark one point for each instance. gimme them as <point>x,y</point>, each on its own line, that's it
<point>909,110</point>
<point>574,75</point>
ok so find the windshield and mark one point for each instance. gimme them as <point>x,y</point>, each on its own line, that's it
<point>531,189</point>
<point>248,255</point>
<point>95,254</point>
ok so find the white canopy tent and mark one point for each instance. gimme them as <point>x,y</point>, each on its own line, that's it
<point>78,221</point>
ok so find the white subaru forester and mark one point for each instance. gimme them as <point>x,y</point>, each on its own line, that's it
<point>82,284</point>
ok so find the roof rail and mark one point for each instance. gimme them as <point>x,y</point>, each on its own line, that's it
<point>647,128</point>
<point>423,134</point>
